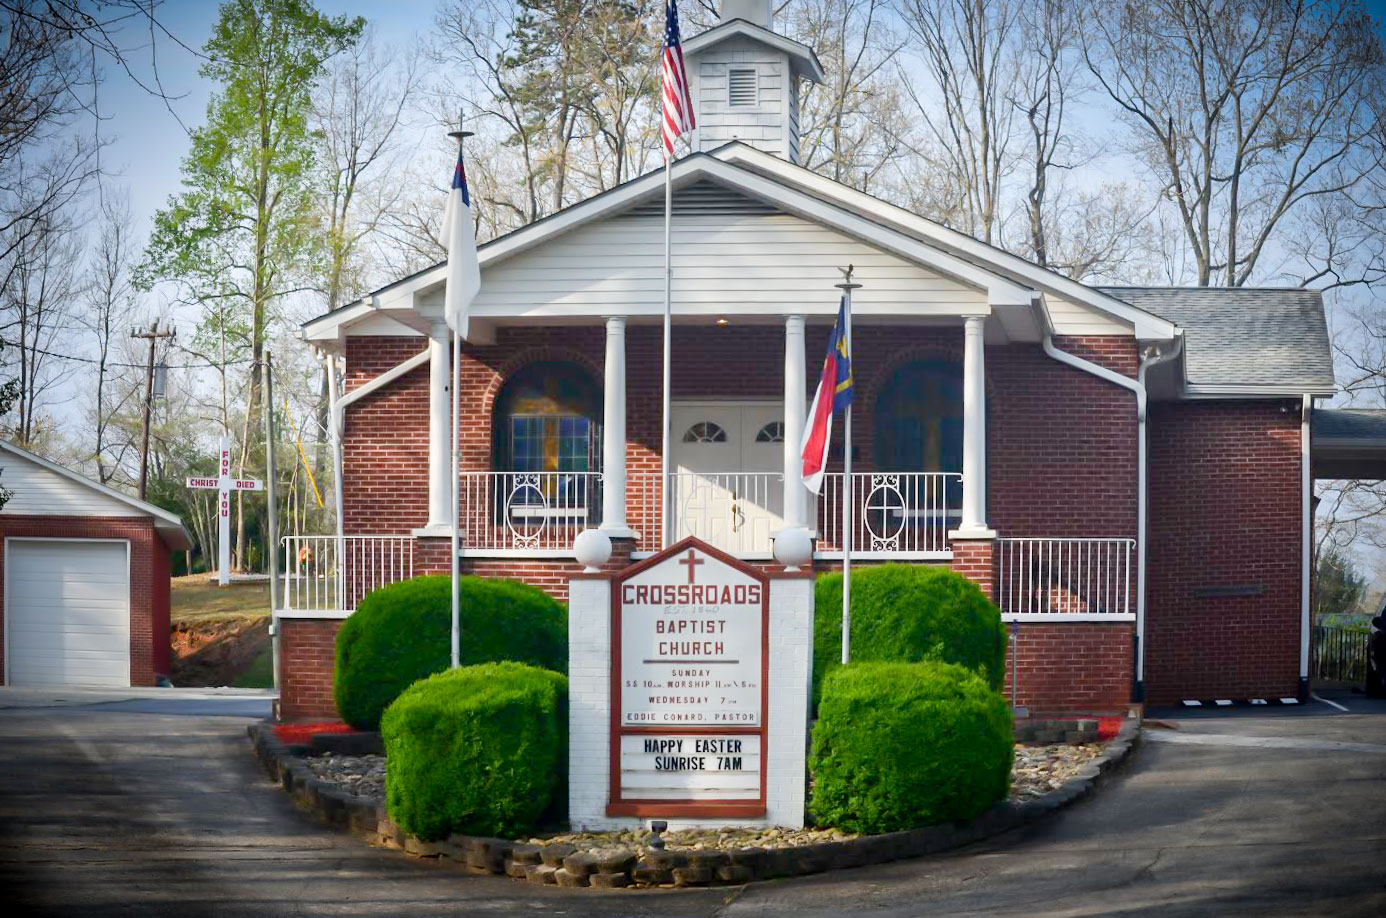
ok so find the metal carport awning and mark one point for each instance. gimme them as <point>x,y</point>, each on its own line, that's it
<point>1349,443</point>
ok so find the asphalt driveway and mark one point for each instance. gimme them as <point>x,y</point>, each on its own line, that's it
<point>129,807</point>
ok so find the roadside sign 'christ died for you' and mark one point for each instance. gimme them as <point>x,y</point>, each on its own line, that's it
<point>690,683</point>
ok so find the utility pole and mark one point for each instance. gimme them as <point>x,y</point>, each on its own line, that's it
<point>272,552</point>
<point>153,335</point>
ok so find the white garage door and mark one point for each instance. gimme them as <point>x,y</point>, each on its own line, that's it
<point>67,613</point>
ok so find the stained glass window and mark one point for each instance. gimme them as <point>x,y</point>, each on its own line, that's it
<point>918,419</point>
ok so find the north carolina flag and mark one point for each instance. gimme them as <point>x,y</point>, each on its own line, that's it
<point>834,394</point>
<point>464,270</point>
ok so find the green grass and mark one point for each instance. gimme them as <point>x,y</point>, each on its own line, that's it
<point>259,674</point>
<point>197,600</point>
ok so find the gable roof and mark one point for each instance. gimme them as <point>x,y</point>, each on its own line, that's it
<point>1270,340</point>
<point>1008,279</point>
<point>169,525</point>
<point>801,56</point>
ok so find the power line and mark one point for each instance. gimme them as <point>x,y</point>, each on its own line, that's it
<point>119,365</point>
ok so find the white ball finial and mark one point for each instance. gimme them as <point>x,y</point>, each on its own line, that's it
<point>593,549</point>
<point>794,548</point>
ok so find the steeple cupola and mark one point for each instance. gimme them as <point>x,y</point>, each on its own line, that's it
<point>744,78</point>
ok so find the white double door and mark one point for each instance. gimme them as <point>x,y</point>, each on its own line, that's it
<point>728,460</point>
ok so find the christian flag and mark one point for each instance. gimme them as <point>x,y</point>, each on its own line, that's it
<point>834,395</point>
<point>458,237</point>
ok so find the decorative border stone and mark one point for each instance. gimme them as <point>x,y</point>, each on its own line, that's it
<point>613,868</point>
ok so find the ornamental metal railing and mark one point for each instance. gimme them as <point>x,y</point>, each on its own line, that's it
<point>526,512</point>
<point>894,514</point>
<point>1056,579</point>
<point>1340,654</point>
<point>324,573</point>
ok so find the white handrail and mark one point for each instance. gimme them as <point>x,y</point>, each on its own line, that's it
<point>1052,579</point>
<point>332,574</point>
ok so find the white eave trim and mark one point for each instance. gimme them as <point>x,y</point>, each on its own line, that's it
<point>1196,391</point>
<point>809,67</point>
<point>171,522</point>
<point>397,300</point>
<point>1148,326</point>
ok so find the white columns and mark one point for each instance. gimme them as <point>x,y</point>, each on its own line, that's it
<point>614,432</point>
<point>439,429</point>
<point>795,409</point>
<point>974,483</point>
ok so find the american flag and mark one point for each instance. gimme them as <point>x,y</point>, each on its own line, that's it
<point>678,103</point>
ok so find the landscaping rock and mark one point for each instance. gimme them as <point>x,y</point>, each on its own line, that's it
<point>614,860</point>
<point>553,855</point>
<point>580,863</point>
<point>610,880</point>
<point>692,876</point>
<point>732,873</point>
<point>648,874</point>
<point>526,854</point>
<point>566,877</point>
<point>541,873</point>
<point>516,870</point>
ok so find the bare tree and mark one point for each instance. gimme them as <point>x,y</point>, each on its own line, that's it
<point>968,51</point>
<point>36,304</point>
<point>110,296</point>
<point>1244,112</point>
<point>852,127</point>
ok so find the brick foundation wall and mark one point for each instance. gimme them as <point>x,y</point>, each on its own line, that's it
<point>1069,667</point>
<point>307,654</point>
<point>149,586</point>
<point>1224,515</point>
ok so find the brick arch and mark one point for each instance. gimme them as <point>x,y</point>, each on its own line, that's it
<point>536,354</point>
<point>913,353</point>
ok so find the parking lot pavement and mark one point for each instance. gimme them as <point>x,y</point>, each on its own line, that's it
<point>109,811</point>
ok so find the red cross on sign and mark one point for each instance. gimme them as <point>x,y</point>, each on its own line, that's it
<point>692,561</point>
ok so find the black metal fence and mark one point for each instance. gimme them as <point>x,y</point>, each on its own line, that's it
<point>1340,654</point>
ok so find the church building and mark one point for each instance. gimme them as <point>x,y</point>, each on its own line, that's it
<point>1125,471</point>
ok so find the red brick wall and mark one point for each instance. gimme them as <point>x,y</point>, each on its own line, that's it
<point>1061,443</point>
<point>1224,513</point>
<point>1069,667</point>
<point>307,654</point>
<point>149,586</point>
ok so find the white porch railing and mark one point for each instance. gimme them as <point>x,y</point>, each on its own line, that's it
<point>1065,579</point>
<point>526,512</point>
<point>327,574</point>
<point>894,514</point>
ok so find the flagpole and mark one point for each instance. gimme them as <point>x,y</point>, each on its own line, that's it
<point>847,523</point>
<point>665,503</point>
<point>456,407</point>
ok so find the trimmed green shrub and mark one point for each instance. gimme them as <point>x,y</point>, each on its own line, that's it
<point>903,745</point>
<point>403,632</point>
<point>480,750</point>
<point>905,613</point>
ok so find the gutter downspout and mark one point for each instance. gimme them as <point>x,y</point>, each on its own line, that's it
<point>1306,542</point>
<point>335,410</point>
<point>1152,357</point>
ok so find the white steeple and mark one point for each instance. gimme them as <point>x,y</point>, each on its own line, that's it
<point>744,78</point>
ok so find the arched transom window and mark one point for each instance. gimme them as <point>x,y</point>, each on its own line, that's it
<point>771,433</point>
<point>705,432</point>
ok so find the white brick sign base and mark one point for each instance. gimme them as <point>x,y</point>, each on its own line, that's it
<point>589,708</point>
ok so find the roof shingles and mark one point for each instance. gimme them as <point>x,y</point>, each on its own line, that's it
<point>1253,337</point>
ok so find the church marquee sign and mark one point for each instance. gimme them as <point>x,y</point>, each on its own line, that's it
<point>689,686</point>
